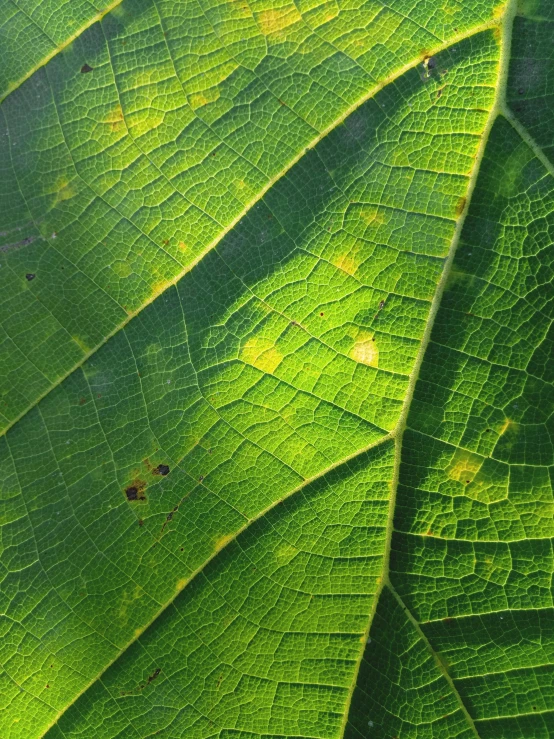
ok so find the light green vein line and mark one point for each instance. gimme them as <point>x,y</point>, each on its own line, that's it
<point>249,522</point>
<point>528,139</point>
<point>69,40</point>
<point>436,658</point>
<point>398,433</point>
<point>371,93</point>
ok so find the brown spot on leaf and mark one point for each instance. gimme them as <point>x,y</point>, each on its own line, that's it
<point>131,493</point>
<point>86,68</point>
<point>161,469</point>
<point>30,276</point>
<point>460,205</point>
<point>135,491</point>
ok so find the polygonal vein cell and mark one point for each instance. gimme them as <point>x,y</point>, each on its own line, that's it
<point>286,350</point>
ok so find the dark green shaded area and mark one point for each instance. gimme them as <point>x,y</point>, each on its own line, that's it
<point>400,691</point>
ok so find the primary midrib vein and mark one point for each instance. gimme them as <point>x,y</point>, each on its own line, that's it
<point>498,108</point>
<point>364,98</point>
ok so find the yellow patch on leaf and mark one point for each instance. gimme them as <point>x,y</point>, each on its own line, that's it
<point>347,263</point>
<point>275,21</point>
<point>65,191</point>
<point>464,466</point>
<point>285,553</point>
<point>199,99</point>
<point>372,216</point>
<point>81,344</point>
<point>223,541</point>
<point>262,354</point>
<point>365,350</point>
<point>115,119</point>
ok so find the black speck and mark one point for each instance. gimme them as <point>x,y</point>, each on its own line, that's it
<point>201,478</point>
<point>431,62</point>
<point>132,493</point>
<point>467,482</point>
<point>521,91</point>
<point>154,675</point>
<point>161,469</point>
<point>86,68</point>
<point>29,276</point>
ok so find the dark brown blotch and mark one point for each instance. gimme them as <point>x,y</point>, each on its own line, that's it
<point>161,469</point>
<point>86,68</point>
<point>135,491</point>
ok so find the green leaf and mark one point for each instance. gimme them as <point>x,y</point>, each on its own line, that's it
<point>276,370</point>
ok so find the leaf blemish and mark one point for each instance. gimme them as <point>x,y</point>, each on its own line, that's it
<point>365,350</point>
<point>135,491</point>
<point>154,675</point>
<point>161,469</point>
<point>86,68</point>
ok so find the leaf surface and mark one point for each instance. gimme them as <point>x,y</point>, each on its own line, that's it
<point>277,394</point>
